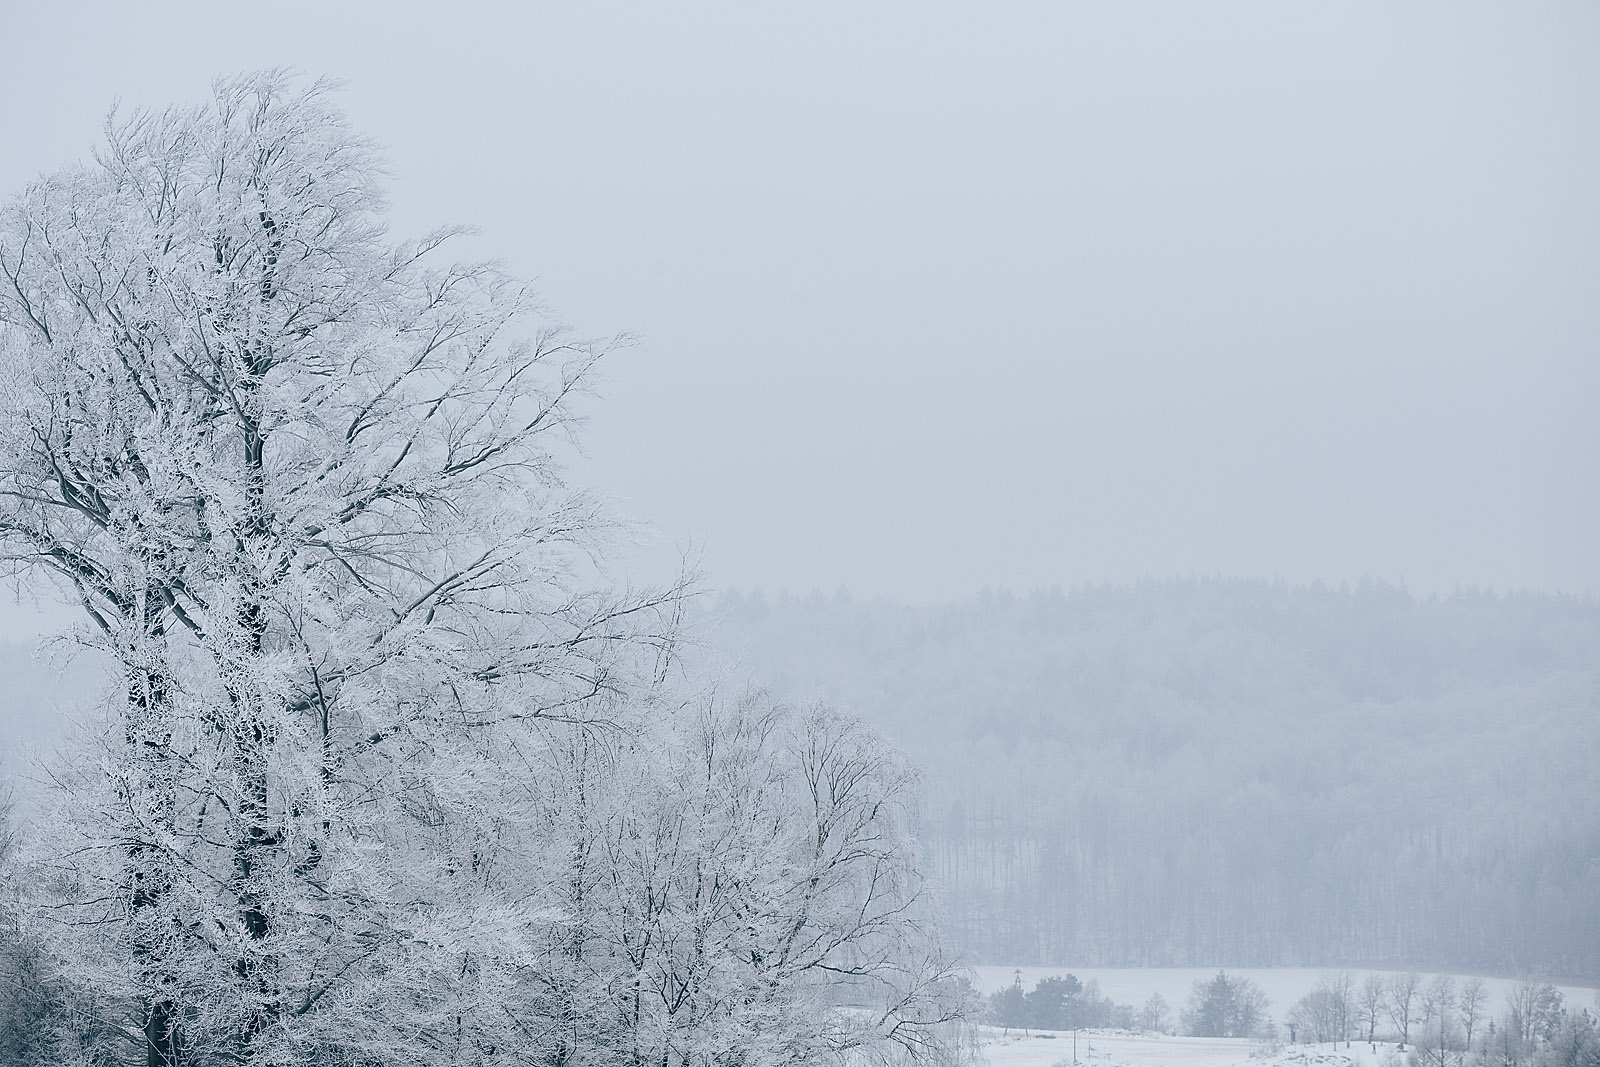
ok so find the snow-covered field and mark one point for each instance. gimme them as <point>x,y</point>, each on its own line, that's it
<point>1282,985</point>
<point>1110,1048</point>
<point>1133,985</point>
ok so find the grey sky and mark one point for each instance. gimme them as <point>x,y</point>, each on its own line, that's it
<point>932,297</point>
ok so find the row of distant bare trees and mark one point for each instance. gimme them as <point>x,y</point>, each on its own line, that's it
<point>1444,1022</point>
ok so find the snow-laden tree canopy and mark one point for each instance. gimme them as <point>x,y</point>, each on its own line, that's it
<point>391,774</point>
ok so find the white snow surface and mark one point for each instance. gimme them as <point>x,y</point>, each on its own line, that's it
<point>1116,1048</point>
<point>1282,985</point>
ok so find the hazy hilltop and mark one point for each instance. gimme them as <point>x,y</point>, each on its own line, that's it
<point>1195,773</point>
<point>1226,772</point>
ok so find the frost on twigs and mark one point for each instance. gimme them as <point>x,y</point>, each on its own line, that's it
<point>302,481</point>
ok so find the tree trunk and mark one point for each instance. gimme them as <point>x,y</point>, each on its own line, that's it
<point>148,701</point>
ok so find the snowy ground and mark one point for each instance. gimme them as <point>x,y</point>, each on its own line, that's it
<point>1110,1048</point>
<point>1282,985</point>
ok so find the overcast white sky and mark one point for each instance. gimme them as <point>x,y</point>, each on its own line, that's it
<point>938,296</point>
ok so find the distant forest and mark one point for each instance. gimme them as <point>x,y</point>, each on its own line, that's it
<point>1198,773</point>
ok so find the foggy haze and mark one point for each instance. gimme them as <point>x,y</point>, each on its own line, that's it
<point>930,299</point>
<point>1025,487</point>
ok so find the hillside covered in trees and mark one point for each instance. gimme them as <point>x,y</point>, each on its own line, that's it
<point>1233,773</point>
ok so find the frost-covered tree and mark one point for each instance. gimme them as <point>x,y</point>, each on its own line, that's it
<point>1469,1008</point>
<point>30,1005</point>
<point>1401,1004</point>
<point>1225,1006</point>
<point>1575,1042</point>
<point>1535,1011</point>
<point>1314,1017</point>
<point>1437,999</point>
<point>300,479</point>
<point>1008,1007</point>
<point>1325,1013</point>
<point>391,773</point>
<point>1154,1017</point>
<point>1342,990</point>
<point>1374,994</point>
<point>741,886</point>
<point>1049,1006</point>
<point>1441,1044</point>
